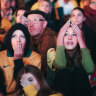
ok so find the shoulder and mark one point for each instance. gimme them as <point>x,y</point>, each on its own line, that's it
<point>35,55</point>
<point>57,94</point>
<point>34,59</point>
<point>3,53</point>
<point>49,32</point>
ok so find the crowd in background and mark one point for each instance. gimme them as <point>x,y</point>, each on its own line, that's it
<point>48,48</point>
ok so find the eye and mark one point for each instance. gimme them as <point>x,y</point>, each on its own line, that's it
<point>30,79</point>
<point>13,36</point>
<point>74,34</point>
<point>22,36</point>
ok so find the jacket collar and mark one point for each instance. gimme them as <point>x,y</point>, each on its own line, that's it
<point>28,54</point>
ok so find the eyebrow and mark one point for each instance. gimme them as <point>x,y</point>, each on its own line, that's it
<point>30,78</point>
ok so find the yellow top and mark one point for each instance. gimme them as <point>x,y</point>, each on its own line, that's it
<point>5,24</point>
<point>30,90</point>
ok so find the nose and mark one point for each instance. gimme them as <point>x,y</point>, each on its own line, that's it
<point>18,39</point>
<point>70,37</point>
<point>20,17</point>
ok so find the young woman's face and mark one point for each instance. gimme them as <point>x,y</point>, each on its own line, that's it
<point>20,18</point>
<point>45,7</point>
<point>31,80</point>
<point>18,39</point>
<point>93,4</point>
<point>70,39</point>
<point>77,17</point>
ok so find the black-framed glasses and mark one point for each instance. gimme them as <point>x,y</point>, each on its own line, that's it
<point>36,20</point>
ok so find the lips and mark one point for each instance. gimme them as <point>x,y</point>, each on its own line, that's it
<point>19,21</point>
<point>69,43</point>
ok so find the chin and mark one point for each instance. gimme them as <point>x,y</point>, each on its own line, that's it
<point>69,48</point>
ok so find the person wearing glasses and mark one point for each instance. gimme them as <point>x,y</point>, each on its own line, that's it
<point>42,37</point>
<point>90,13</point>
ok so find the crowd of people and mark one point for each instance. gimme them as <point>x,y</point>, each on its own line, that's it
<point>48,48</point>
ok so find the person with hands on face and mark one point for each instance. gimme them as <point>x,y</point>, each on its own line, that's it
<point>78,16</point>
<point>71,61</point>
<point>31,82</point>
<point>68,31</point>
<point>18,54</point>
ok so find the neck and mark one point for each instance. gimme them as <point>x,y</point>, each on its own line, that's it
<point>71,52</point>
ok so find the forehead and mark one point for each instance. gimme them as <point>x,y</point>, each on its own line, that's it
<point>5,0</point>
<point>93,0</point>
<point>35,16</point>
<point>20,10</point>
<point>77,11</point>
<point>18,32</point>
<point>27,75</point>
<point>45,2</point>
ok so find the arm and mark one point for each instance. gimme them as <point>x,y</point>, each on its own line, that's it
<point>29,88</point>
<point>60,60</point>
<point>79,35</point>
<point>18,65</point>
<point>18,54</point>
<point>86,58</point>
<point>87,61</point>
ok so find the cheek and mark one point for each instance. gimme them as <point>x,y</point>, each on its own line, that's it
<point>75,41</point>
<point>65,39</point>
<point>37,86</point>
<point>23,43</point>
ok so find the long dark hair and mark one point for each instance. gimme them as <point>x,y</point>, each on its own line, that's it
<point>74,57</point>
<point>44,88</point>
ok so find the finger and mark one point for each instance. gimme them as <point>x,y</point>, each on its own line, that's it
<point>66,25</point>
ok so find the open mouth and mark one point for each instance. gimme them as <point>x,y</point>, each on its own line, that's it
<point>69,43</point>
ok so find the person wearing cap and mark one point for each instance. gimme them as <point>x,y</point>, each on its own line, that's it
<point>42,37</point>
<point>18,54</point>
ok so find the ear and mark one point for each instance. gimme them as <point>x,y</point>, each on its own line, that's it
<point>45,23</point>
